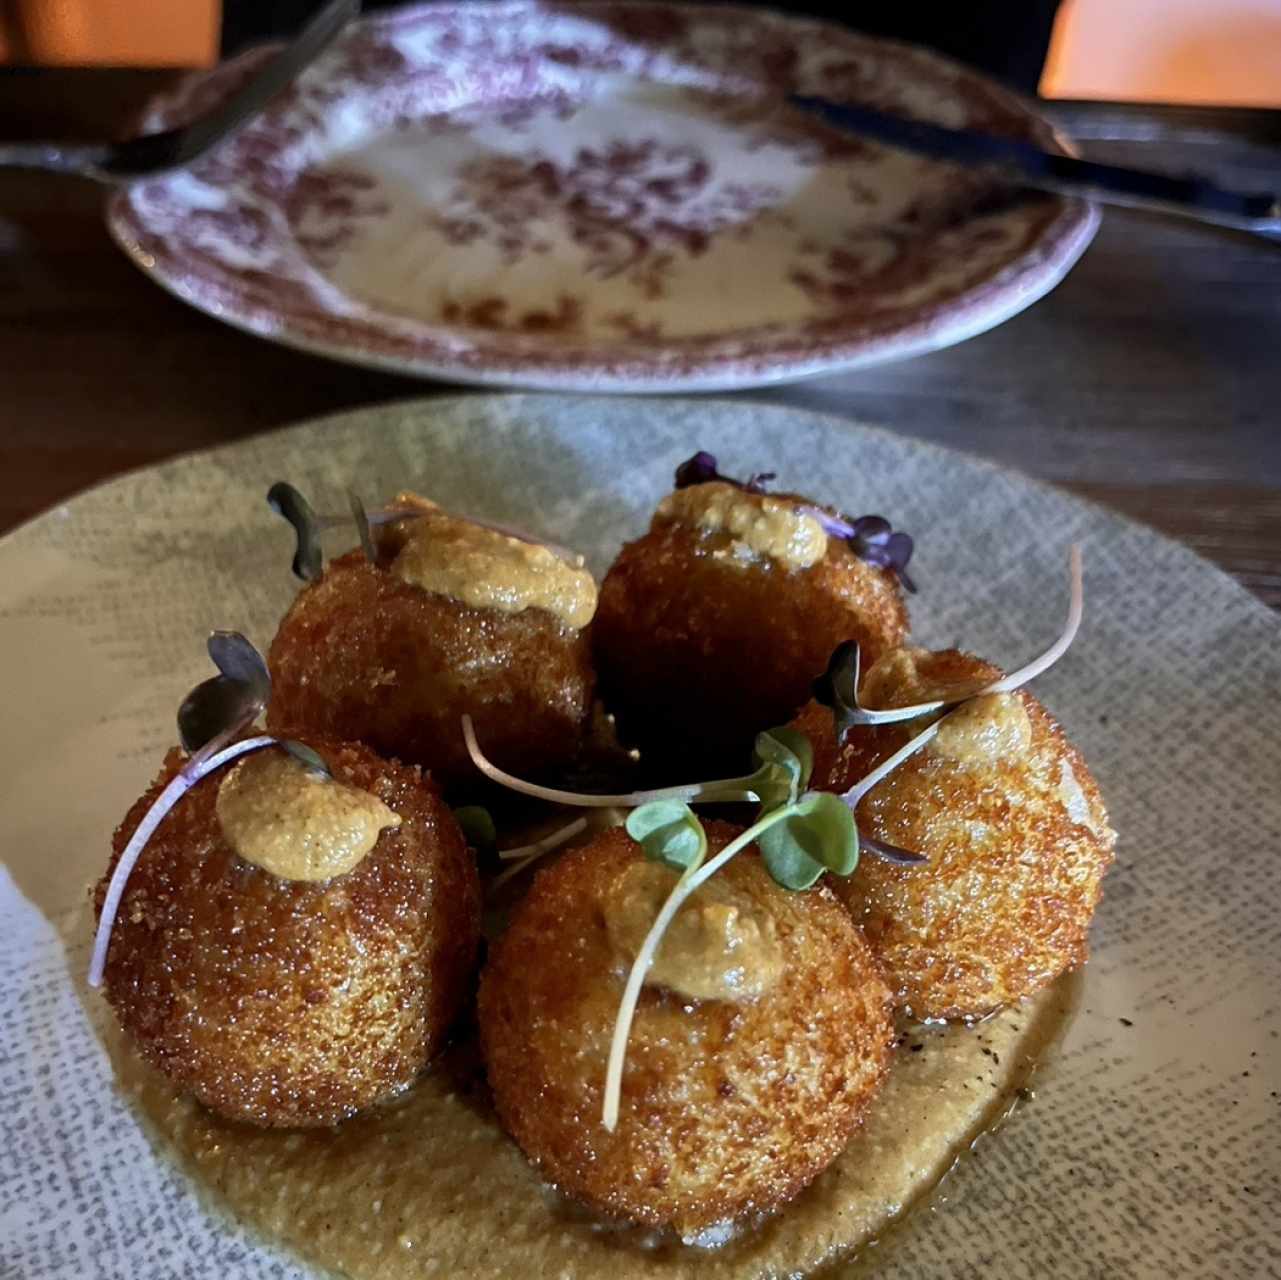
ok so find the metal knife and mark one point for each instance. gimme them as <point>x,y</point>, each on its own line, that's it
<point>1029,165</point>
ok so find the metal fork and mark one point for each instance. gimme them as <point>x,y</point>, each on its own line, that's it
<point>155,153</point>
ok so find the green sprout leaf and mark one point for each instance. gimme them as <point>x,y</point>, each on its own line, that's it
<point>790,751</point>
<point>478,827</point>
<point>819,835</point>
<point>669,832</point>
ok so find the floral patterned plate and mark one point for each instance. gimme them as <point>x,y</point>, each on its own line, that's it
<point>603,196</point>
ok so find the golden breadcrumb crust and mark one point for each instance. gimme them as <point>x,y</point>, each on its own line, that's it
<point>363,656</point>
<point>726,1107</point>
<point>285,1003</point>
<point>687,638</point>
<point>1004,905</point>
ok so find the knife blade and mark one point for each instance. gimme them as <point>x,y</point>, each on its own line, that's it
<point>1190,196</point>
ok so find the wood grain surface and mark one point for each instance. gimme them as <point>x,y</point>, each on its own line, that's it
<point>1148,381</point>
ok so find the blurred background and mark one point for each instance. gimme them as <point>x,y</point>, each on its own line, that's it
<point>1225,53</point>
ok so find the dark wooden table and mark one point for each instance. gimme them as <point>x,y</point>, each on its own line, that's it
<point>1150,380</point>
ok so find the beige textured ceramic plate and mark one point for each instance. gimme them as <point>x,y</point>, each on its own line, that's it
<point>602,197</point>
<point>1151,1147</point>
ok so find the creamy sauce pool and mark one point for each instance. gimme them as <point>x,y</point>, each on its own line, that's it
<point>428,1185</point>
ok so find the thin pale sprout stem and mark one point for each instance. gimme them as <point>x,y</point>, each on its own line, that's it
<point>1016,679</point>
<point>886,767</point>
<point>1004,685</point>
<point>513,871</point>
<point>546,844</point>
<point>1076,608</point>
<point>729,790</point>
<point>691,878</point>
<point>178,786</point>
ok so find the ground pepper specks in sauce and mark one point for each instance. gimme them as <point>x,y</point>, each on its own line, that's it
<point>428,1184</point>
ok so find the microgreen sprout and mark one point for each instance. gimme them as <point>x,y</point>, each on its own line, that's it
<point>215,713</point>
<point>219,708</point>
<point>872,539</point>
<point>191,773</point>
<point>748,788</point>
<point>1076,608</point>
<point>285,500</point>
<point>837,688</point>
<point>850,712</point>
<point>701,469</point>
<point>799,839</point>
<point>361,517</point>
<point>526,855</point>
<point>308,563</point>
<point>478,827</point>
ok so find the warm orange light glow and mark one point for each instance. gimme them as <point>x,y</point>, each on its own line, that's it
<point>138,33</point>
<point>1226,53</point>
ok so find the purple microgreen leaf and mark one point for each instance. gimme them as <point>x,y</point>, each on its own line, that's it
<point>900,554</point>
<point>833,526</point>
<point>359,515</point>
<point>873,530</point>
<point>285,500</point>
<point>238,659</point>
<point>186,778</point>
<point>872,539</point>
<point>701,469</point>
<point>310,759</point>
<point>891,852</point>
<point>220,707</point>
<point>837,687</point>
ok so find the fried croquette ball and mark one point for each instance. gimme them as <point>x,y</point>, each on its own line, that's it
<point>285,1002</point>
<point>722,615</point>
<point>761,1036</point>
<point>395,653</point>
<point>1009,817</point>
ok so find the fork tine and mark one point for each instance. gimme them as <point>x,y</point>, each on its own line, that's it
<point>173,148</point>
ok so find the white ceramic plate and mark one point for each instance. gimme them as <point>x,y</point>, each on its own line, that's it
<point>1151,1148</point>
<point>601,197</point>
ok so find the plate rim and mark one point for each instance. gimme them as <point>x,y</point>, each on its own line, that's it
<point>412,403</point>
